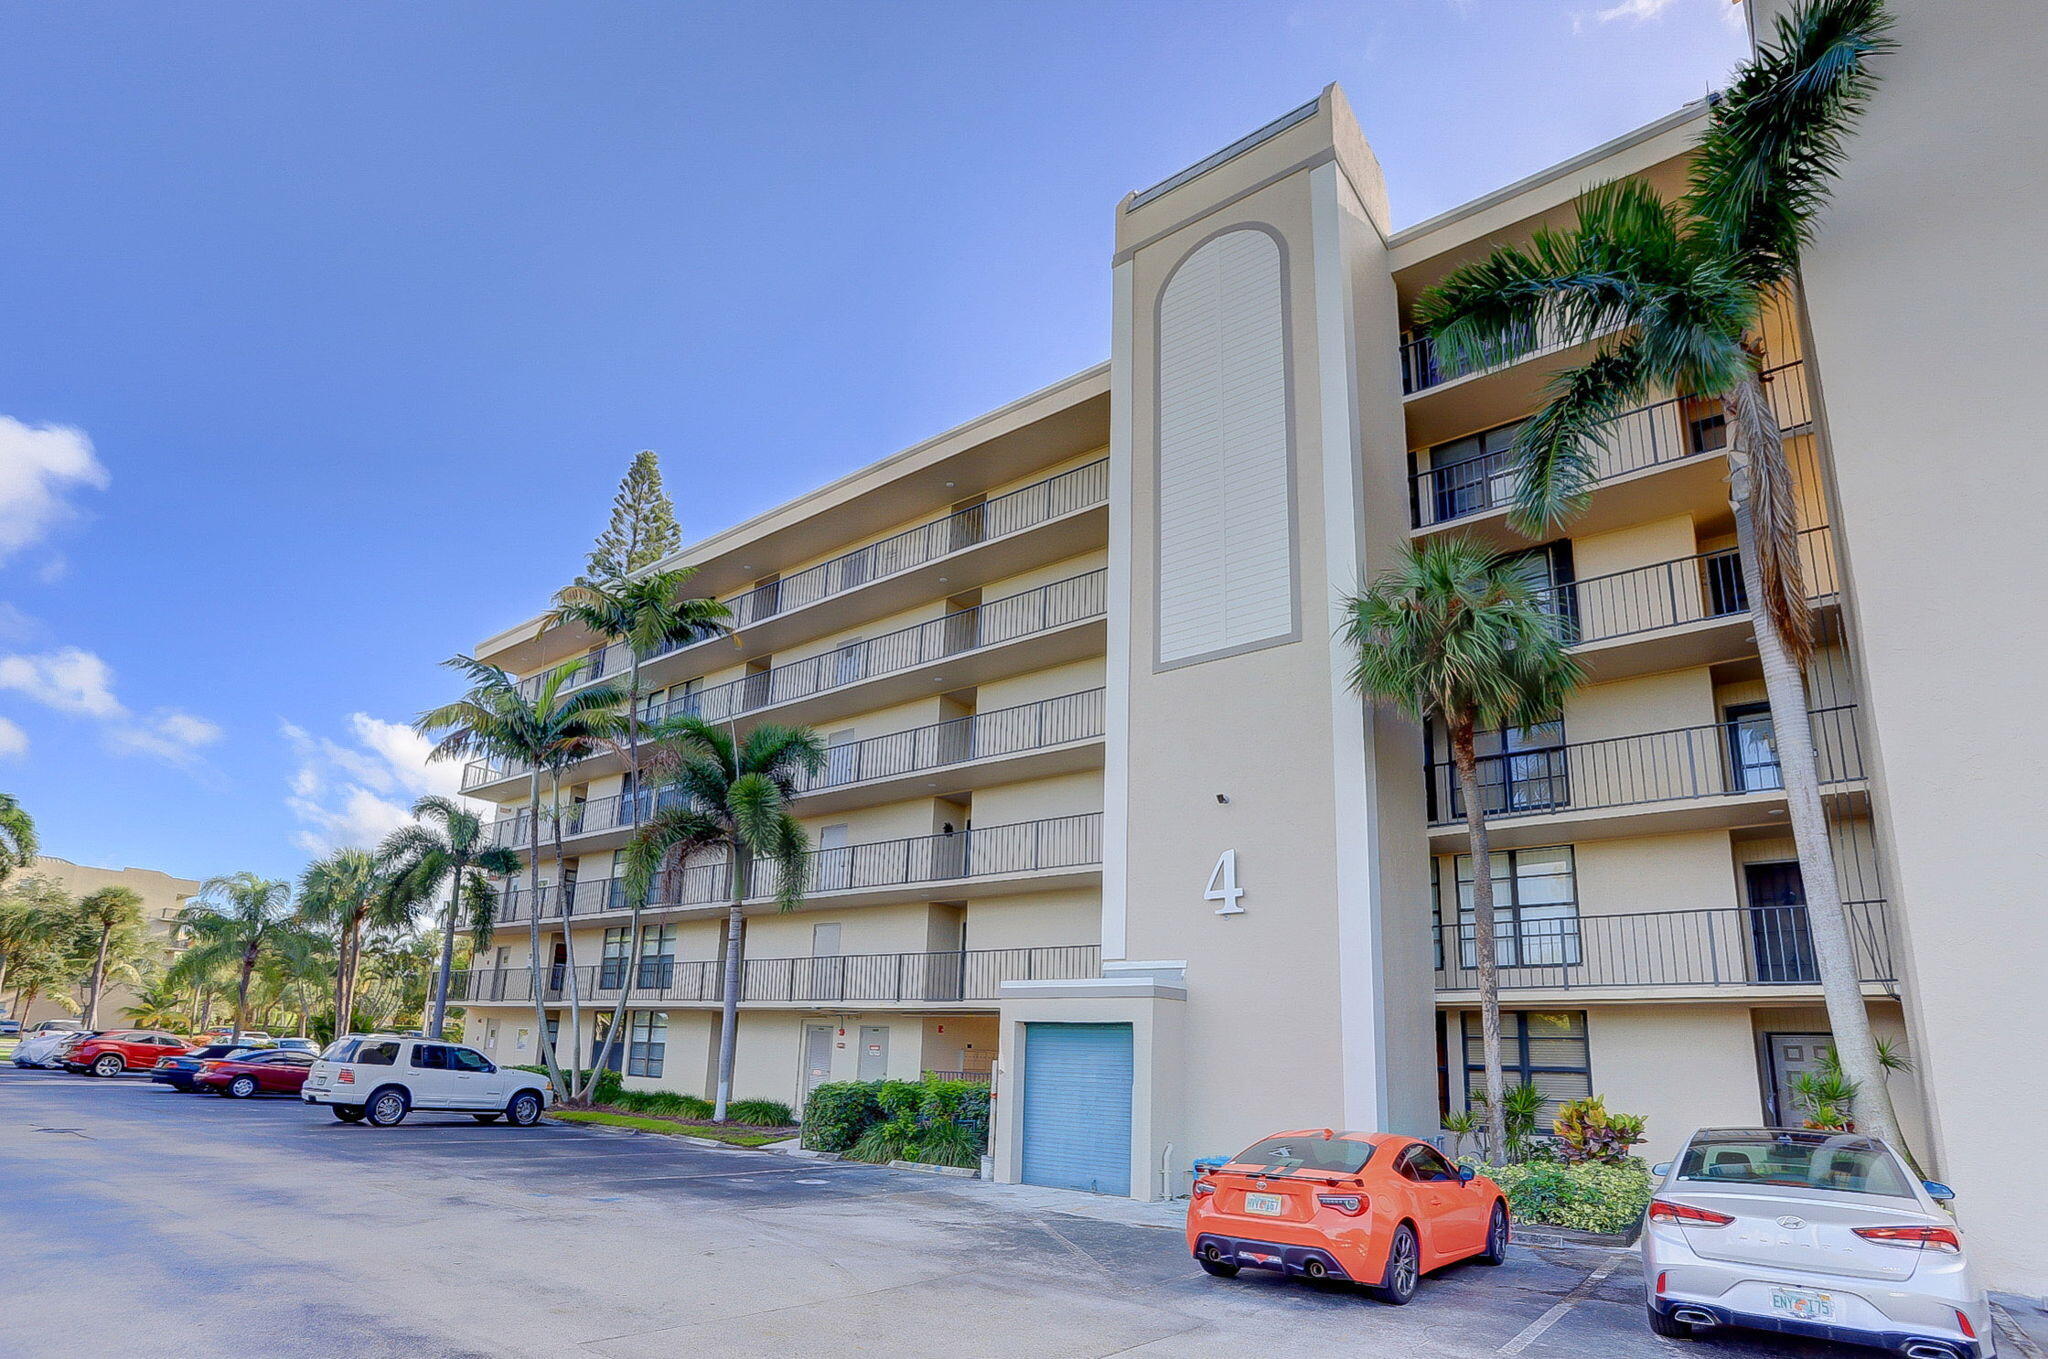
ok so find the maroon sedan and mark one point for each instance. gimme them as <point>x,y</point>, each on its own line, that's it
<point>268,1072</point>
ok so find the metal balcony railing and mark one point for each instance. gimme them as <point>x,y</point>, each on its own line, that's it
<point>865,978</point>
<point>1722,759</point>
<point>1742,946</point>
<point>1027,507</point>
<point>1669,594</point>
<point>977,852</point>
<point>1649,436</point>
<point>1005,731</point>
<point>1011,618</point>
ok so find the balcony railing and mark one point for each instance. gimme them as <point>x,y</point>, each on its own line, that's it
<point>977,852</point>
<point>1012,512</point>
<point>1743,946</point>
<point>1669,594</point>
<point>1009,619</point>
<point>1006,731</point>
<point>865,978</point>
<point>1723,759</point>
<point>1649,436</point>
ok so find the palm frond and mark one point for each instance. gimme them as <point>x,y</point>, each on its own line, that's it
<point>1774,516</point>
<point>1555,449</point>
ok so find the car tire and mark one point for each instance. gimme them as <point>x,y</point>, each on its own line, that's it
<point>387,1108</point>
<point>1668,1328</point>
<point>348,1113</point>
<point>1398,1286</point>
<point>523,1110</point>
<point>1212,1262</point>
<point>241,1087</point>
<point>1495,1252</point>
<point>487,1118</point>
<point>109,1064</point>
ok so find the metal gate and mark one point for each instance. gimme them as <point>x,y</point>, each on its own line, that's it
<point>1077,1106</point>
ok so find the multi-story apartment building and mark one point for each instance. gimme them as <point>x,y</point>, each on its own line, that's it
<point>163,897</point>
<point>1102,821</point>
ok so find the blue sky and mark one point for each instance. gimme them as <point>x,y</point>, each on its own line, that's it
<point>330,328</point>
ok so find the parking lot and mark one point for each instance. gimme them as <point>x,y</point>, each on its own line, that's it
<point>137,1221</point>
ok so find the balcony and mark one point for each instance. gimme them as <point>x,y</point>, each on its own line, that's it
<point>1031,740</point>
<point>993,521</point>
<point>1673,614</point>
<point>1688,778</point>
<point>886,669</point>
<point>1703,950</point>
<point>914,979</point>
<point>1652,438</point>
<point>982,860</point>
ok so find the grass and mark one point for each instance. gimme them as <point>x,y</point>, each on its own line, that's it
<point>678,1127</point>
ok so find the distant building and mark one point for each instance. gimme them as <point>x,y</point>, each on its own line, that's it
<point>163,896</point>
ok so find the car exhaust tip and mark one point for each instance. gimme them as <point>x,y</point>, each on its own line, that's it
<point>1693,1316</point>
<point>1931,1349</point>
<point>1315,1269</point>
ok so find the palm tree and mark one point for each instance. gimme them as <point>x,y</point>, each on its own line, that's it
<point>232,921</point>
<point>734,795</point>
<point>452,851</point>
<point>649,614</point>
<point>109,914</point>
<point>34,913</point>
<point>161,1005</point>
<point>294,967</point>
<point>1681,286</point>
<point>17,836</point>
<point>351,892</point>
<point>495,720</point>
<point>1454,634</point>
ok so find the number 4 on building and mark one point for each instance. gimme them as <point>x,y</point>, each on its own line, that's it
<point>1223,884</point>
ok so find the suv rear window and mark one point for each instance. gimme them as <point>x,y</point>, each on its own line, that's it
<point>377,1054</point>
<point>340,1050</point>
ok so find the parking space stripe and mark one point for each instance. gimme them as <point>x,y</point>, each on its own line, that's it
<point>1529,1334</point>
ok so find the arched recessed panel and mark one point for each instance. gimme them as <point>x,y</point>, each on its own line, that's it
<point>1225,458</point>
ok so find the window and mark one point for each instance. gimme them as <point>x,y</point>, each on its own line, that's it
<point>1425,1166</point>
<point>1546,1049</point>
<point>1283,1155</point>
<point>1752,749</point>
<point>430,1057</point>
<point>1535,908</point>
<point>375,1054</point>
<point>611,970</point>
<point>657,957</point>
<point>1548,572</point>
<point>649,1042</point>
<point>1473,473</point>
<point>464,1059</point>
<point>1800,1160</point>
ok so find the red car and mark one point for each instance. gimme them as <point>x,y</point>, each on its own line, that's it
<point>1365,1208</point>
<point>119,1050</point>
<point>269,1072</point>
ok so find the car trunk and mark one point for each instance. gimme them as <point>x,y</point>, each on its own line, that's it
<point>1824,1239</point>
<point>1279,1198</point>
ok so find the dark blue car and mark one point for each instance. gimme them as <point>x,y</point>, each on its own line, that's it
<point>177,1072</point>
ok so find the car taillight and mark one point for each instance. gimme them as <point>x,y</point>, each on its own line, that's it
<point>1351,1205</point>
<point>346,1077</point>
<point>1963,1325</point>
<point>1204,1187</point>
<point>162,1064</point>
<point>1663,1211</point>
<point>1930,1238</point>
<point>1663,1277</point>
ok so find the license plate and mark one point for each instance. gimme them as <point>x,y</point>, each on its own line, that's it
<point>1270,1205</point>
<point>1803,1304</point>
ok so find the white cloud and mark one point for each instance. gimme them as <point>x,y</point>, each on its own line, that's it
<point>13,740</point>
<point>355,792</point>
<point>40,466</point>
<point>69,679</point>
<point>167,734</point>
<point>17,626</point>
<point>1638,10</point>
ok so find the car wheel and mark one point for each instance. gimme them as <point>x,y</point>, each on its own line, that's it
<point>524,1110</point>
<point>1404,1269</point>
<point>487,1118</point>
<point>387,1108</point>
<point>1668,1328</point>
<point>347,1113</point>
<point>1212,1262</point>
<point>241,1087</point>
<point>108,1064</point>
<point>1496,1251</point>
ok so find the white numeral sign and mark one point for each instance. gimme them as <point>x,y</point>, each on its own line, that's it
<point>1223,884</point>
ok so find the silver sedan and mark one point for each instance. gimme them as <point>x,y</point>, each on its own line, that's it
<point>1822,1234</point>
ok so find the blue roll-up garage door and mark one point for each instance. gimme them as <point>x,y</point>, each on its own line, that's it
<point>1077,1106</point>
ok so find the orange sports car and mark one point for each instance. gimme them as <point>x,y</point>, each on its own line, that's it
<point>1368,1208</point>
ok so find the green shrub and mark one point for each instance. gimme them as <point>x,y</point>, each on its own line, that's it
<point>1588,1196</point>
<point>1587,1132</point>
<point>837,1113</point>
<point>762,1113</point>
<point>938,1122</point>
<point>668,1103</point>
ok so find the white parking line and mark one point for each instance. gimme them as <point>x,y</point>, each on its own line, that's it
<point>1528,1335</point>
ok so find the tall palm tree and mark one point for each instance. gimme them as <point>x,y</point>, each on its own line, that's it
<point>730,794</point>
<point>17,836</point>
<point>34,914</point>
<point>232,921</point>
<point>109,914</point>
<point>160,1005</point>
<point>495,720</point>
<point>448,846</point>
<point>295,966</point>
<point>649,614</point>
<point>1454,634</point>
<point>350,892</point>
<point>1679,287</point>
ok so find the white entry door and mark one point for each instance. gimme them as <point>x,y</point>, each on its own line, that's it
<point>817,1057</point>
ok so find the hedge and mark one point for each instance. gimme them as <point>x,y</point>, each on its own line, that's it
<point>1588,1196</point>
<point>935,1121</point>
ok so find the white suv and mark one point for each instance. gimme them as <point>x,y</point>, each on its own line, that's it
<point>380,1078</point>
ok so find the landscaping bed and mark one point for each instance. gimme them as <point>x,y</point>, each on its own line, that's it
<point>737,1134</point>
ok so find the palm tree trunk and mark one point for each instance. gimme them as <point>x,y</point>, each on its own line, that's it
<point>99,977</point>
<point>439,1027</point>
<point>729,1029</point>
<point>540,1008</point>
<point>242,994</point>
<point>1755,439</point>
<point>1485,948</point>
<point>575,1062</point>
<point>611,1036</point>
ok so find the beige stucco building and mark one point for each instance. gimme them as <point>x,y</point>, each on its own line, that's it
<point>1104,824</point>
<point>163,896</point>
